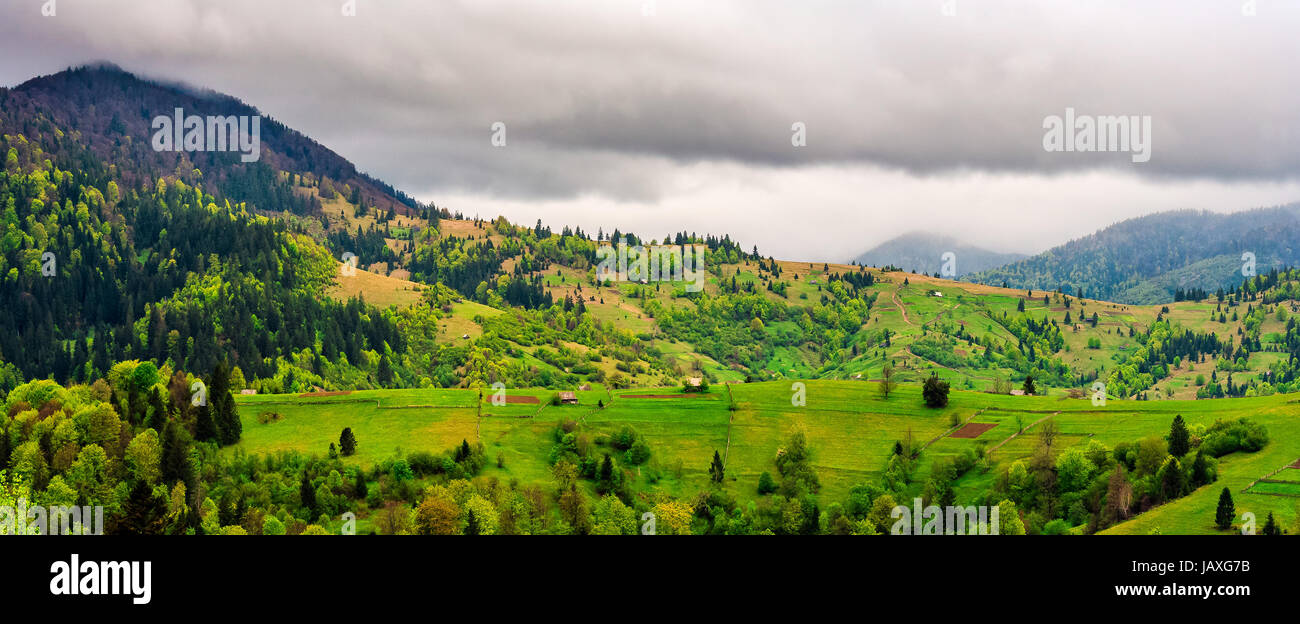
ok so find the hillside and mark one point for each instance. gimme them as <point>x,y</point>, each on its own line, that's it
<point>443,300</point>
<point>1147,259</point>
<point>923,253</point>
<point>131,277</point>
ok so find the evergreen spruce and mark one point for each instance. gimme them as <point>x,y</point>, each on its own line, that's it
<point>1224,515</point>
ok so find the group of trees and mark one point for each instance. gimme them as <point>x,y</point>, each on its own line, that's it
<point>133,443</point>
<point>1090,487</point>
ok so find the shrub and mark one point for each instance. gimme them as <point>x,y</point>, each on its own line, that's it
<point>1225,437</point>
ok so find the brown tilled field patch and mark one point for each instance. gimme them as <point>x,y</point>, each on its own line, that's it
<point>972,430</point>
<point>309,395</point>
<point>532,400</point>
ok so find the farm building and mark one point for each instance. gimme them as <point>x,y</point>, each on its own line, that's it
<point>568,398</point>
<point>694,384</point>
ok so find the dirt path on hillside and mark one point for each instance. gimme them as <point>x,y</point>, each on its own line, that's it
<point>902,310</point>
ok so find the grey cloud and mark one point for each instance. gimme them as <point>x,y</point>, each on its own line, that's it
<point>599,99</point>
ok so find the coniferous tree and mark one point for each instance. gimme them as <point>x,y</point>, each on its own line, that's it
<point>1271,526</point>
<point>143,513</point>
<point>472,524</point>
<point>605,475</point>
<point>1028,387</point>
<point>176,454</point>
<point>1226,512</point>
<point>385,373</point>
<point>224,414</point>
<point>361,489</point>
<point>1200,470</point>
<point>205,430</point>
<point>307,494</point>
<point>716,469</point>
<point>1179,442</point>
<point>157,412</point>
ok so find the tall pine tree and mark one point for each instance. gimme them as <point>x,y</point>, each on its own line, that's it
<point>1226,512</point>
<point>1179,439</point>
<point>224,413</point>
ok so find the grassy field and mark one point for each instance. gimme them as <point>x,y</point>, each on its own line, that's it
<point>850,430</point>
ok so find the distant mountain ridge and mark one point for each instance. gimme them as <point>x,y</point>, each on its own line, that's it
<point>923,253</point>
<point>1145,259</point>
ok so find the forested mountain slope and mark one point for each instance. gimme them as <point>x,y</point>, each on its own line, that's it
<point>1147,259</point>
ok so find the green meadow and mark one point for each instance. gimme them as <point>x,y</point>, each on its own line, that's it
<point>851,431</point>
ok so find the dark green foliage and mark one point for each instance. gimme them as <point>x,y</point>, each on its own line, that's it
<point>205,427</point>
<point>605,475</point>
<point>143,513</point>
<point>1201,470</point>
<point>347,442</point>
<point>158,412</point>
<point>471,523</point>
<point>935,392</point>
<point>224,413</point>
<point>716,469</point>
<point>360,490</point>
<point>1226,512</point>
<point>1271,526</point>
<point>307,495</point>
<point>1225,437</point>
<point>176,464</point>
<point>385,372</point>
<point>1179,438</point>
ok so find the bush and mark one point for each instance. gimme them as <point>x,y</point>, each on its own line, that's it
<point>638,453</point>
<point>765,484</point>
<point>424,463</point>
<point>1225,437</point>
<point>624,439</point>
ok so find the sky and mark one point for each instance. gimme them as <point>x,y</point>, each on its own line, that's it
<point>659,116</point>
